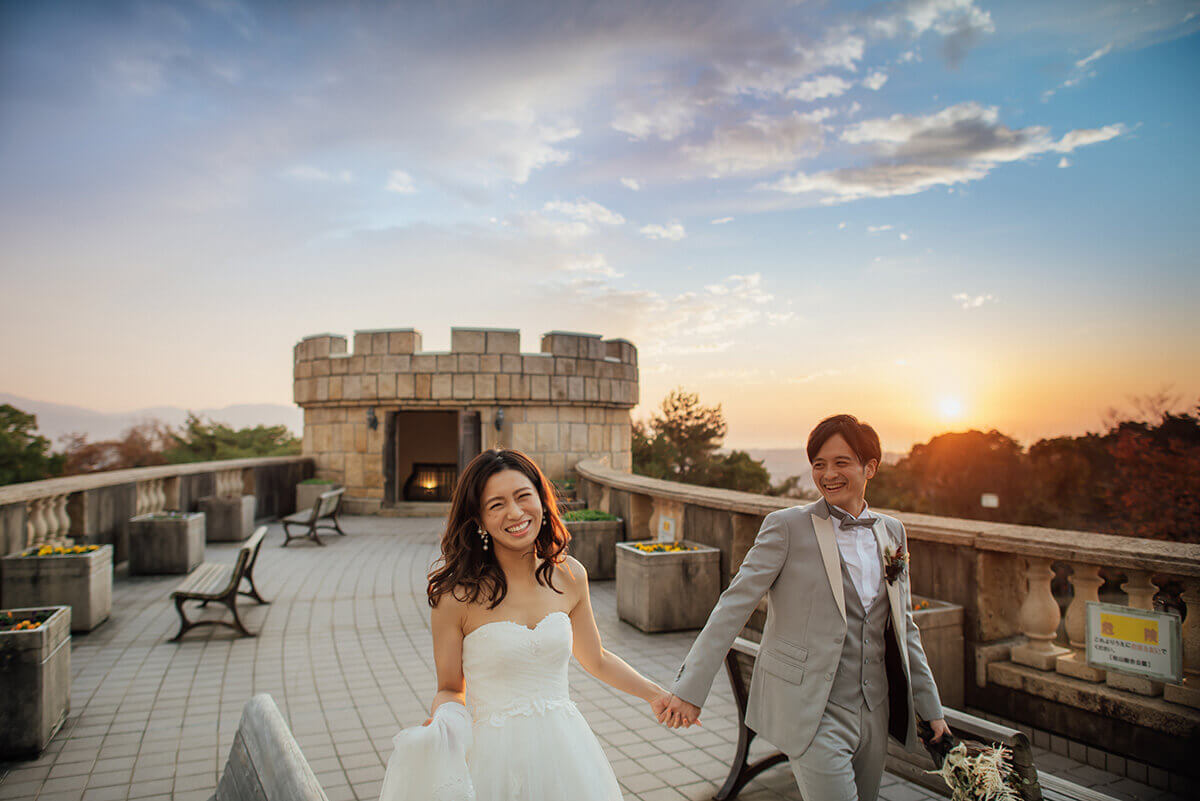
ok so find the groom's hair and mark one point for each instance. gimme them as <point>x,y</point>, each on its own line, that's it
<point>861,438</point>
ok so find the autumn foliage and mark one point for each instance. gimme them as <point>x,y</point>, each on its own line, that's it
<point>1139,478</point>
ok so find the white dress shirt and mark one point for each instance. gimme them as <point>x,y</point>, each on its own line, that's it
<point>860,554</point>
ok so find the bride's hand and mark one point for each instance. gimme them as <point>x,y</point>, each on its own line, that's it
<point>658,704</point>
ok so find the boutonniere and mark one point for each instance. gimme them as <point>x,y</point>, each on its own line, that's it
<point>895,562</point>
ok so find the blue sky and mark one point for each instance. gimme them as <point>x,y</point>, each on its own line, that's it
<point>933,213</point>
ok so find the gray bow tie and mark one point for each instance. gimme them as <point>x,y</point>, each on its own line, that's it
<point>847,521</point>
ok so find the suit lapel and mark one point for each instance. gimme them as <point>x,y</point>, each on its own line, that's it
<point>893,589</point>
<point>827,541</point>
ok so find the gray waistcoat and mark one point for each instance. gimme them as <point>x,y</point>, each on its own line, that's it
<point>861,673</point>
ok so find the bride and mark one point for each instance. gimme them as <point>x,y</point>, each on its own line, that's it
<point>510,607</point>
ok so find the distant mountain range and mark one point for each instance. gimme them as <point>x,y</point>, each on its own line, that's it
<point>55,419</point>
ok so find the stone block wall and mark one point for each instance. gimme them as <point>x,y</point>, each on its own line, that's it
<point>568,402</point>
<point>483,365</point>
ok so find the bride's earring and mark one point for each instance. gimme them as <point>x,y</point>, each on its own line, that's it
<point>484,537</point>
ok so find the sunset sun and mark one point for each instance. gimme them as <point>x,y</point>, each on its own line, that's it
<point>950,407</point>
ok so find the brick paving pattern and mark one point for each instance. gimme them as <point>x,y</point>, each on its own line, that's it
<point>344,649</point>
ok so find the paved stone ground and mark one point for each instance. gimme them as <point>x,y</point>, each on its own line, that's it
<point>344,649</point>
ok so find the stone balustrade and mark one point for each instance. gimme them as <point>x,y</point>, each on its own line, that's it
<point>96,507</point>
<point>47,521</point>
<point>1024,658</point>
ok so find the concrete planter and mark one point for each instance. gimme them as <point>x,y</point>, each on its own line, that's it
<point>941,628</point>
<point>594,544</point>
<point>227,519</point>
<point>161,544</point>
<point>667,591</point>
<point>307,494</point>
<point>35,683</point>
<point>81,581</point>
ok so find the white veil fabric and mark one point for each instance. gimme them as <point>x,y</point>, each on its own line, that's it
<point>429,763</point>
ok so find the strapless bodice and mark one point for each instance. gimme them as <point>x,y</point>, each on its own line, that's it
<point>511,669</point>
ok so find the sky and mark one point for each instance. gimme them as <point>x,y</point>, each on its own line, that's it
<point>934,214</point>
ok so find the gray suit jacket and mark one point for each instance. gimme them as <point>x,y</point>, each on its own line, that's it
<point>795,561</point>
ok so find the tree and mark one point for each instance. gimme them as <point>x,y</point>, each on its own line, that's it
<point>736,471</point>
<point>681,441</point>
<point>24,454</point>
<point>949,474</point>
<point>692,433</point>
<point>1155,491</point>
<point>141,445</point>
<point>201,441</point>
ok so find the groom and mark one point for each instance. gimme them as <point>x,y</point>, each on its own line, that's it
<point>840,665</point>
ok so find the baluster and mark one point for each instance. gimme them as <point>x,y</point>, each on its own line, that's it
<point>36,525</point>
<point>139,504</point>
<point>1086,581</point>
<point>1188,693</point>
<point>160,495</point>
<point>64,519</point>
<point>1039,618</point>
<point>1140,592</point>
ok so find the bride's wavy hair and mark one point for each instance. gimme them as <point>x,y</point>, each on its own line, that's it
<point>465,569</point>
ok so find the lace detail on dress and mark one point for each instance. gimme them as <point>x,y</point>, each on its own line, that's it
<point>526,707</point>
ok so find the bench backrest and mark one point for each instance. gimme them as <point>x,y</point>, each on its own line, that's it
<point>327,504</point>
<point>265,761</point>
<point>248,555</point>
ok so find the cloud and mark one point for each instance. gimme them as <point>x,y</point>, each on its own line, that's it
<point>820,87</point>
<point>958,144</point>
<point>1080,71</point>
<point>539,226</point>
<point>587,211</point>
<point>875,80</point>
<point>593,265</point>
<point>959,22</point>
<point>1095,56</point>
<point>759,144</point>
<point>400,181</point>
<point>721,221</point>
<point>673,231</point>
<point>903,237</point>
<point>685,323</point>
<point>875,229</point>
<point>305,172</point>
<point>665,118</point>
<point>1063,163</point>
<point>973,301</point>
<point>631,183</point>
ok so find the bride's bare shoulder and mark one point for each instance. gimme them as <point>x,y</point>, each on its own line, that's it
<point>451,610</point>
<point>572,573</point>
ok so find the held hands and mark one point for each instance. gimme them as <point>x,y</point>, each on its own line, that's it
<point>675,712</point>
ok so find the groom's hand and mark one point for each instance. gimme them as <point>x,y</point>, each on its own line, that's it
<point>679,712</point>
<point>940,729</point>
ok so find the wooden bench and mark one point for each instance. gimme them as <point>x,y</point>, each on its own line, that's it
<point>739,663</point>
<point>222,583</point>
<point>324,508</point>
<point>265,762</point>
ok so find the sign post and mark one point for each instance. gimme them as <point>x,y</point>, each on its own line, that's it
<point>1139,642</point>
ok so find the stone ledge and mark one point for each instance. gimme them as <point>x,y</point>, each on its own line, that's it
<point>1158,556</point>
<point>1152,713</point>
<point>16,493</point>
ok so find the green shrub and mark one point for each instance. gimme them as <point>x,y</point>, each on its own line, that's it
<point>316,481</point>
<point>580,515</point>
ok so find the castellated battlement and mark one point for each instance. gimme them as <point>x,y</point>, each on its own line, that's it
<point>483,365</point>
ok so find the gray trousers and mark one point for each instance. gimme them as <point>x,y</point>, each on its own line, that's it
<point>845,760</point>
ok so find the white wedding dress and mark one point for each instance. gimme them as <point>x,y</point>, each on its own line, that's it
<point>528,741</point>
